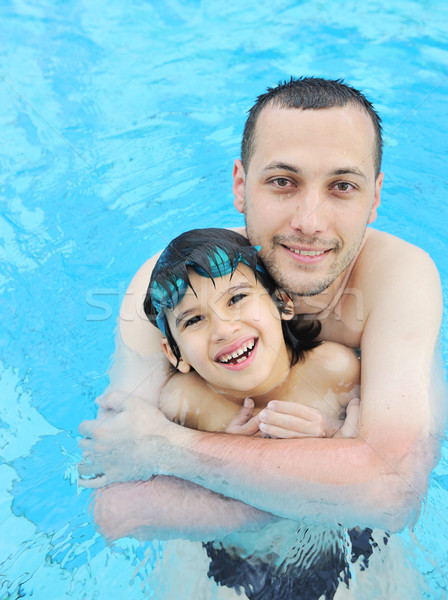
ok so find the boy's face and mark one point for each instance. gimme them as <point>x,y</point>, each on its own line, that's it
<point>309,192</point>
<point>230,334</point>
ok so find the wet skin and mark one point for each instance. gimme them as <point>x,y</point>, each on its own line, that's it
<point>309,192</point>
<point>230,315</point>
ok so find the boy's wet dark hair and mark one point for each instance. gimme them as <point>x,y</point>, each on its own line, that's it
<point>214,253</point>
<point>310,93</point>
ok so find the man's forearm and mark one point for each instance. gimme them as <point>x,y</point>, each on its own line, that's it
<point>348,480</point>
<point>170,508</point>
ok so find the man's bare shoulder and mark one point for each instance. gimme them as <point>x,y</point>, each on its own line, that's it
<point>400,287</point>
<point>380,246</point>
<point>135,329</point>
<point>387,263</point>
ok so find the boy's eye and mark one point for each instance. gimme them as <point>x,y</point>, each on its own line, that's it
<point>236,298</point>
<point>192,321</point>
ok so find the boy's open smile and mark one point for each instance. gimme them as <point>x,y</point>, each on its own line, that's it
<point>238,355</point>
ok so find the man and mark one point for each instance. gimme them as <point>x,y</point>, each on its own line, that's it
<point>309,183</point>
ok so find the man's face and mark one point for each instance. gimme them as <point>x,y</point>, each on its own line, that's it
<point>309,193</point>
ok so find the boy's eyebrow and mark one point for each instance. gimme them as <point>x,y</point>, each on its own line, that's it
<point>243,285</point>
<point>184,315</point>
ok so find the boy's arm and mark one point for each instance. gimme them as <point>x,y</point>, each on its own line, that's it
<point>187,400</point>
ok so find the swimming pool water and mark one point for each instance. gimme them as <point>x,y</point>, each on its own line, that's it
<point>119,125</point>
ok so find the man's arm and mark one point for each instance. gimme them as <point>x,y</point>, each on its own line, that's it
<point>376,478</point>
<point>163,507</point>
<point>380,476</point>
<point>169,508</point>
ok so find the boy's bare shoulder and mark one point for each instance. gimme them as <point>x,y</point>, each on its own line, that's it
<point>182,395</point>
<point>189,401</point>
<point>336,360</point>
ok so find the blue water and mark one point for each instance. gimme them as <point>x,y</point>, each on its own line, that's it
<point>119,123</point>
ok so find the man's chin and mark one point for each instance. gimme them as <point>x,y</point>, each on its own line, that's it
<point>302,284</point>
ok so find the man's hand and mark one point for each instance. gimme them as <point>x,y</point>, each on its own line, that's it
<point>125,442</point>
<point>350,427</point>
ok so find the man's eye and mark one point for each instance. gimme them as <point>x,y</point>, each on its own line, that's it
<point>192,321</point>
<point>343,186</point>
<point>236,298</point>
<point>281,182</point>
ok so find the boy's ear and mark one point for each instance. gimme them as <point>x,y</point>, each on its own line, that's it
<point>288,312</point>
<point>183,366</point>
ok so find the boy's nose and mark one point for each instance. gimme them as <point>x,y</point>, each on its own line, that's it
<point>224,326</point>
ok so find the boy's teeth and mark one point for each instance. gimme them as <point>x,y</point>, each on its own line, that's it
<point>244,348</point>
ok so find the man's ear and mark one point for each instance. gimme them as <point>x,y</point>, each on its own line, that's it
<point>239,178</point>
<point>377,198</point>
<point>288,305</point>
<point>183,366</point>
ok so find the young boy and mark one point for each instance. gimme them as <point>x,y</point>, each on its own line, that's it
<point>235,342</point>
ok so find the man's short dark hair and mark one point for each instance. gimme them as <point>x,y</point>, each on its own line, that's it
<point>310,93</point>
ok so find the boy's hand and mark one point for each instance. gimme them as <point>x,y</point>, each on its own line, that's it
<point>282,419</point>
<point>243,423</point>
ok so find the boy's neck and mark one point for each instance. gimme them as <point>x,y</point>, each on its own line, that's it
<point>273,389</point>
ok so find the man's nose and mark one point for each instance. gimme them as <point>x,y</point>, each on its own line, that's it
<point>309,214</point>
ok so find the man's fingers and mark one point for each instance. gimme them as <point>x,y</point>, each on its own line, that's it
<point>89,468</point>
<point>87,428</point>
<point>93,482</point>
<point>350,427</point>
<point>115,401</point>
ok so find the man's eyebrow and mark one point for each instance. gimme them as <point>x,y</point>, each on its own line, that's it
<point>349,171</point>
<point>280,166</point>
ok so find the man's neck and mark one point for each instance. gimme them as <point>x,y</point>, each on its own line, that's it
<point>315,305</point>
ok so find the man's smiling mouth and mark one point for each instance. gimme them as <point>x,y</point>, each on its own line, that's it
<point>307,252</point>
<point>239,355</point>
